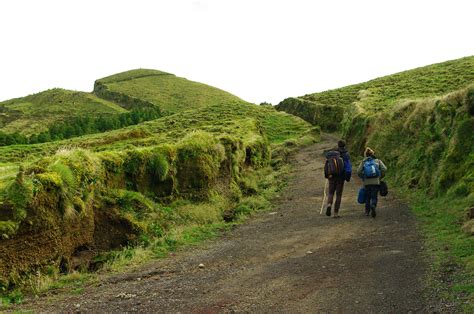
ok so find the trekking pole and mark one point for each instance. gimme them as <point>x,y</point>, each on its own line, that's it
<point>324,197</point>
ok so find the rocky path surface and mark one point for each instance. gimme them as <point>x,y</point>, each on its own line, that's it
<point>289,260</point>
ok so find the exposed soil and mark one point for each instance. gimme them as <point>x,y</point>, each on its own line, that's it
<point>357,264</point>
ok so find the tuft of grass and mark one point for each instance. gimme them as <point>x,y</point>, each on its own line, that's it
<point>13,297</point>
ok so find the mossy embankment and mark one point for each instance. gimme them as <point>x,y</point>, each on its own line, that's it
<point>428,146</point>
<point>141,190</point>
<point>67,210</point>
<point>421,123</point>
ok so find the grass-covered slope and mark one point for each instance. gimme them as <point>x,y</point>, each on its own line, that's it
<point>232,118</point>
<point>155,88</point>
<point>35,113</point>
<point>378,94</point>
<point>121,99</point>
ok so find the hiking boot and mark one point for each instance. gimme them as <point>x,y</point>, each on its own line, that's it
<point>372,211</point>
<point>367,212</point>
<point>328,211</point>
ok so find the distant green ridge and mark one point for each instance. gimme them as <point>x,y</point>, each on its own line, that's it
<point>34,113</point>
<point>170,93</point>
<point>131,74</point>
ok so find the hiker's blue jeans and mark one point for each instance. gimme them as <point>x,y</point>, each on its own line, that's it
<point>371,194</point>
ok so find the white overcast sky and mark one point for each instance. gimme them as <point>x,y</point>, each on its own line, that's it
<point>258,50</point>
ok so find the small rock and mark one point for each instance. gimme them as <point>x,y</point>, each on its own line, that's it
<point>138,279</point>
<point>309,252</point>
<point>78,305</point>
<point>201,265</point>
<point>468,227</point>
<point>470,213</point>
<point>124,295</point>
<point>357,302</point>
<point>273,213</point>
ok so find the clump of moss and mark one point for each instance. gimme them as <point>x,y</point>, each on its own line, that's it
<point>133,202</point>
<point>135,165</point>
<point>328,117</point>
<point>19,194</point>
<point>470,101</point>
<point>8,228</point>
<point>111,161</point>
<point>199,158</point>
<point>158,166</point>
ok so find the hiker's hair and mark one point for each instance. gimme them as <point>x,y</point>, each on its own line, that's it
<point>369,152</point>
<point>341,143</point>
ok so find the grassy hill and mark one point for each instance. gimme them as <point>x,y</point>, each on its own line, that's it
<point>34,113</point>
<point>158,184</point>
<point>375,95</point>
<point>114,96</point>
<point>150,87</point>
<point>421,123</point>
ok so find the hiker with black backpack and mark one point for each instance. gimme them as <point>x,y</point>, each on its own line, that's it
<point>337,169</point>
<point>371,170</point>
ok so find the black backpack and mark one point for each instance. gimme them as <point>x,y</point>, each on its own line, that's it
<point>383,188</point>
<point>334,166</point>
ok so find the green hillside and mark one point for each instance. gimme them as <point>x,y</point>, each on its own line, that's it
<point>158,184</point>
<point>149,87</point>
<point>35,113</point>
<point>276,126</point>
<point>421,123</point>
<point>431,80</point>
<point>375,95</point>
<point>119,100</point>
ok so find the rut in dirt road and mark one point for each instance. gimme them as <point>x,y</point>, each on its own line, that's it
<point>290,260</point>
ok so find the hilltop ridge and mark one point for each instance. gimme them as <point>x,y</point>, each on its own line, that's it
<point>115,99</point>
<point>143,87</point>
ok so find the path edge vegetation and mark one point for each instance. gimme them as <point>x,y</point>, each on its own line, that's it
<point>191,222</point>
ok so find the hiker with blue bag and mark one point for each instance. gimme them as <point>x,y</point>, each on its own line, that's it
<point>337,169</point>
<point>371,170</point>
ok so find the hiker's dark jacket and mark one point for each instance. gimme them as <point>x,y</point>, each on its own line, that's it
<point>344,152</point>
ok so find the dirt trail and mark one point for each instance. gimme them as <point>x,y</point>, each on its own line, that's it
<point>357,264</point>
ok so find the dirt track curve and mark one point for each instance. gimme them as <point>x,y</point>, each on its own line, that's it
<point>357,264</point>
